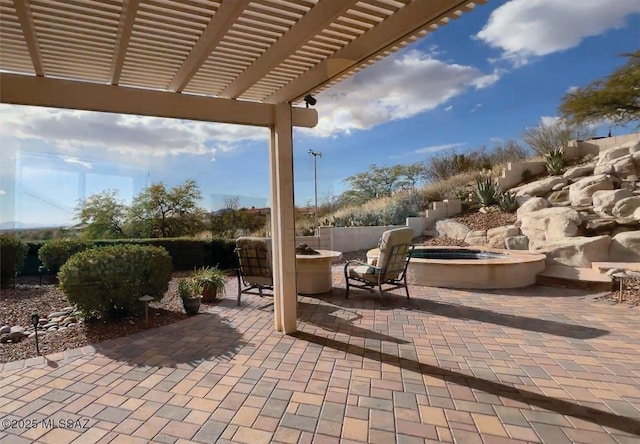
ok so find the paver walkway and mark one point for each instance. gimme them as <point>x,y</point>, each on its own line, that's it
<point>532,365</point>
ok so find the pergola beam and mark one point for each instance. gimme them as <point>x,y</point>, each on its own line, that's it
<point>23,9</point>
<point>318,18</point>
<point>19,89</point>
<point>220,23</point>
<point>127,19</point>
<point>392,31</point>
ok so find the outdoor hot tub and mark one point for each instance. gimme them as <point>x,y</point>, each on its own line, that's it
<point>471,267</point>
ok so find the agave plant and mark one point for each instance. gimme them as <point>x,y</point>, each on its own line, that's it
<point>554,161</point>
<point>487,191</point>
<point>508,202</point>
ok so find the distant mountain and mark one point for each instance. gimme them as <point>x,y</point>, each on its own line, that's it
<point>15,225</point>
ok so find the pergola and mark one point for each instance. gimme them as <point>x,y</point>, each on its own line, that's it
<point>233,61</point>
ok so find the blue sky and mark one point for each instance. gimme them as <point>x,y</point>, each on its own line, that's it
<point>483,78</point>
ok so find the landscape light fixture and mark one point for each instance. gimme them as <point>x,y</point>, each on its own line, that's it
<point>310,100</point>
<point>35,321</point>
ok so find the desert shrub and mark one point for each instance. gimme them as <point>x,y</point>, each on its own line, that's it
<point>12,253</point>
<point>526,175</point>
<point>403,205</point>
<point>107,282</point>
<point>554,161</point>
<point>508,202</point>
<point>55,253</point>
<point>487,191</point>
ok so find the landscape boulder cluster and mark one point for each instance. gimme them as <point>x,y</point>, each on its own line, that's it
<point>591,213</point>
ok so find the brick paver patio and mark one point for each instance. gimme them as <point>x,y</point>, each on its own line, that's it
<point>538,365</point>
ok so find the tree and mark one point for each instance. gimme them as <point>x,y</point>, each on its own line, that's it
<point>546,137</point>
<point>159,212</point>
<point>615,98</point>
<point>103,214</point>
<point>381,182</point>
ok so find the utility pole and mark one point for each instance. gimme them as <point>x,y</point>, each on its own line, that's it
<point>315,155</point>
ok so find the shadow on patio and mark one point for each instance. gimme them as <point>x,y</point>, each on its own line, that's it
<point>589,414</point>
<point>191,341</point>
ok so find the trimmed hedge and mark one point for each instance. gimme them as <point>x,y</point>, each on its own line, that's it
<point>12,253</point>
<point>186,254</point>
<point>54,253</point>
<point>107,282</point>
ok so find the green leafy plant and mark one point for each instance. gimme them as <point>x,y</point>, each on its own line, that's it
<point>211,278</point>
<point>508,202</point>
<point>189,288</point>
<point>554,161</point>
<point>12,253</point>
<point>55,253</point>
<point>526,175</point>
<point>487,191</point>
<point>107,282</point>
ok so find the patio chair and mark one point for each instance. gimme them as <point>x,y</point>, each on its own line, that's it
<point>254,265</point>
<point>391,267</point>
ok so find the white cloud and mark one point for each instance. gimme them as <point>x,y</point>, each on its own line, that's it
<point>436,148</point>
<point>398,87</point>
<point>137,139</point>
<point>523,29</point>
<point>76,161</point>
<point>449,108</point>
<point>476,108</point>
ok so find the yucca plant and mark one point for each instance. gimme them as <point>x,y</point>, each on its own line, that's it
<point>554,161</point>
<point>487,191</point>
<point>508,202</point>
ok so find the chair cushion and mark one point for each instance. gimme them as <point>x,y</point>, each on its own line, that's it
<point>390,239</point>
<point>364,272</point>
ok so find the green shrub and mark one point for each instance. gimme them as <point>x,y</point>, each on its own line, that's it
<point>12,253</point>
<point>508,202</point>
<point>487,191</point>
<point>526,175</point>
<point>55,253</point>
<point>107,282</point>
<point>554,161</point>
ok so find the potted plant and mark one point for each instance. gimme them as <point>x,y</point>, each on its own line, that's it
<point>190,291</point>
<point>212,280</point>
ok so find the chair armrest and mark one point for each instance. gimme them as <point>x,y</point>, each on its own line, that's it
<point>357,262</point>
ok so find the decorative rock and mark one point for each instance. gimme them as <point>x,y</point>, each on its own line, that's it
<point>496,236</point>
<point>73,324</point>
<point>516,242</point>
<point>559,186</point>
<point>580,192</point>
<point>4,338</point>
<point>476,237</point>
<point>43,321</point>
<point>575,251</point>
<point>550,224</point>
<point>613,153</point>
<point>626,207</point>
<point>16,336</point>
<point>52,329</point>
<point>57,314</point>
<point>604,200</point>
<point>17,329</point>
<point>57,320</point>
<point>452,229</point>
<point>49,325</point>
<point>533,204</point>
<point>625,247</point>
<point>621,167</point>
<point>539,187</point>
<point>559,197</point>
<point>579,171</point>
<point>69,320</point>
<point>5,329</point>
<point>601,224</point>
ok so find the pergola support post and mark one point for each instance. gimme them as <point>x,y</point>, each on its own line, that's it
<point>283,221</point>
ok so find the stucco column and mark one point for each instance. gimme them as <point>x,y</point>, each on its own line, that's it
<point>282,221</point>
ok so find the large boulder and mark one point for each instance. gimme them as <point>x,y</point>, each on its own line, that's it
<point>559,198</point>
<point>516,242</point>
<point>476,237</point>
<point>575,251</point>
<point>626,208</point>
<point>452,229</point>
<point>579,171</point>
<point>580,192</point>
<point>532,204</point>
<point>604,200</point>
<point>550,224</point>
<point>540,187</point>
<point>621,167</point>
<point>496,236</point>
<point>625,247</point>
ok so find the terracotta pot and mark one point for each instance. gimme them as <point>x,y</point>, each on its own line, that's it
<point>209,293</point>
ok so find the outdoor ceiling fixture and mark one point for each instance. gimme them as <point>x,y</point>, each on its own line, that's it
<point>310,100</point>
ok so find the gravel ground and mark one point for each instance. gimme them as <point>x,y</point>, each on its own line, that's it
<point>17,305</point>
